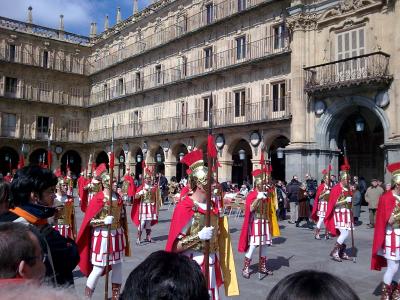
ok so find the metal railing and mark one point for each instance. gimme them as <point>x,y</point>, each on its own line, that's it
<point>184,25</point>
<point>32,92</point>
<point>372,67</point>
<point>219,61</point>
<point>68,65</point>
<point>264,111</point>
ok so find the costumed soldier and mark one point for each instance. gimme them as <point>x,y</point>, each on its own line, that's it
<point>69,181</point>
<point>260,223</point>
<point>128,187</point>
<point>188,232</point>
<point>321,205</point>
<point>93,237</point>
<point>64,218</point>
<point>93,185</point>
<point>338,217</point>
<point>386,245</point>
<point>144,212</point>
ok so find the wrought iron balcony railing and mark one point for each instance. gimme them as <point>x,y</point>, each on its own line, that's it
<point>264,111</point>
<point>71,64</point>
<point>368,69</point>
<point>219,61</point>
<point>184,25</point>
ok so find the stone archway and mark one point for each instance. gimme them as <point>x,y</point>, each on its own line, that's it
<point>242,165</point>
<point>71,160</point>
<point>364,148</point>
<point>181,168</point>
<point>9,159</point>
<point>38,157</point>
<point>139,159</point>
<point>277,159</point>
<point>102,157</point>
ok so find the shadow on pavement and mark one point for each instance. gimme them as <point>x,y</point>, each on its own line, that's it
<point>378,290</point>
<point>160,238</point>
<point>278,240</point>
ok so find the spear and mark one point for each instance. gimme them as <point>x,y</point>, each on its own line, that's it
<point>109,210</point>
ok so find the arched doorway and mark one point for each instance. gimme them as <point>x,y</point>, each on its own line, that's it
<point>277,158</point>
<point>38,157</point>
<point>242,165</point>
<point>102,157</point>
<point>363,133</point>
<point>159,159</point>
<point>121,165</point>
<point>8,160</point>
<point>71,160</point>
<point>180,167</point>
<point>139,163</point>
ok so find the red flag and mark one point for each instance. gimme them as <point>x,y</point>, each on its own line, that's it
<point>211,149</point>
<point>329,167</point>
<point>21,162</point>
<point>112,160</point>
<point>49,158</point>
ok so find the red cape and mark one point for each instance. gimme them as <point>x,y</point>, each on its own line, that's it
<point>329,221</point>
<point>184,192</point>
<point>386,205</point>
<point>84,236</point>
<point>131,187</point>
<point>83,194</point>
<point>183,212</point>
<point>136,206</point>
<point>244,234</point>
<point>320,189</point>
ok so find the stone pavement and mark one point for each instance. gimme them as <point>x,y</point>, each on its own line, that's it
<point>295,250</point>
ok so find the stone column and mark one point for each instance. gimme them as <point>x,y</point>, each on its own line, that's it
<point>225,171</point>
<point>170,169</point>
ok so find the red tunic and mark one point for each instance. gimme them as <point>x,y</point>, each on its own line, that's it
<point>244,236</point>
<point>83,194</point>
<point>131,186</point>
<point>136,206</point>
<point>320,189</point>
<point>386,205</point>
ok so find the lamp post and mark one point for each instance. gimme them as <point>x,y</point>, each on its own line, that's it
<point>181,155</point>
<point>279,153</point>
<point>360,124</point>
<point>242,157</point>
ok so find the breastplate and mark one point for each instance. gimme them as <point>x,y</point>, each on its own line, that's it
<point>199,221</point>
<point>262,211</point>
<point>116,210</point>
<point>65,211</point>
<point>125,186</point>
<point>149,197</point>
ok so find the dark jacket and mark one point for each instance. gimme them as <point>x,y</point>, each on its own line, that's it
<point>64,251</point>
<point>292,190</point>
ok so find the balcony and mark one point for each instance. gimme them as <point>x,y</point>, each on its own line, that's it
<point>58,64</point>
<point>253,113</point>
<point>31,92</point>
<point>364,70</point>
<point>183,26</point>
<point>220,61</point>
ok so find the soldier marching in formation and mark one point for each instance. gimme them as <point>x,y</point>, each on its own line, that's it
<point>321,205</point>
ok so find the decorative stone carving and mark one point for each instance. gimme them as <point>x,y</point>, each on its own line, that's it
<point>302,21</point>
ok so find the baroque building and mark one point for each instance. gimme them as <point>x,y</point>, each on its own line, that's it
<point>297,78</point>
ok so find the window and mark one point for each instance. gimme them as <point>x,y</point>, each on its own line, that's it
<point>12,52</point>
<point>158,74</point>
<point>8,124</point>
<point>279,36</point>
<point>44,90</point>
<point>45,62</point>
<point>241,47</point>
<point>120,87</point>
<point>105,92</point>
<point>184,66</point>
<point>183,112</point>
<point>349,44</point>
<point>158,112</point>
<point>209,13</point>
<point>240,101</point>
<point>278,96</point>
<point>207,105</point>
<point>241,5</point>
<point>43,125</point>
<point>11,86</point>
<point>208,57</point>
<point>138,81</point>
<point>73,126</point>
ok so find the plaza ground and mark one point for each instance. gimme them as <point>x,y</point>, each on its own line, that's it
<point>295,250</point>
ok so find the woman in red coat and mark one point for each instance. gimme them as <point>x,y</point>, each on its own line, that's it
<point>386,245</point>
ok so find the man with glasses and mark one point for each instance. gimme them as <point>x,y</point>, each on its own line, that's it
<point>33,194</point>
<point>21,255</point>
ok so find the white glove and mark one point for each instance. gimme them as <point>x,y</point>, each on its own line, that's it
<point>261,195</point>
<point>141,193</point>
<point>348,199</point>
<point>146,187</point>
<point>108,220</point>
<point>206,233</point>
<point>327,192</point>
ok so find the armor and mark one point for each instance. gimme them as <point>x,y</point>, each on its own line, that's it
<point>116,210</point>
<point>199,221</point>
<point>65,214</point>
<point>148,197</point>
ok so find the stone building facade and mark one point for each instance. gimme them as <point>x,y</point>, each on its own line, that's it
<point>292,77</point>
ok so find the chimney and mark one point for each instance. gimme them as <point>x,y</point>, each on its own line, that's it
<point>61,23</point>
<point>91,30</point>
<point>29,19</point>
<point>135,7</point>
<point>95,29</point>
<point>106,24</point>
<point>118,15</point>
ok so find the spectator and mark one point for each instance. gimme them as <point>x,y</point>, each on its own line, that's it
<point>372,197</point>
<point>243,190</point>
<point>226,186</point>
<point>303,206</point>
<point>292,192</point>
<point>32,193</point>
<point>282,199</point>
<point>357,199</point>
<point>163,187</point>
<point>362,186</point>
<point>21,255</point>
<point>388,187</point>
<point>310,285</point>
<point>311,188</point>
<point>4,196</point>
<point>333,180</point>
<point>166,275</point>
<point>31,292</point>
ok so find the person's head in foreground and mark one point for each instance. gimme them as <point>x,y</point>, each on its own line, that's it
<point>165,275</point>
<point>312,285</point>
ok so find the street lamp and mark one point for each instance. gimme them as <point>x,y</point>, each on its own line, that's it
<point>158,157</point>
<point>7,157</point>
<point>138,158</point>
<point>360,124</point>
<point>71,160</point>
<point>121,159</point>
<point>242,154</point>
<point>279,153</point>
<point>181,155</point>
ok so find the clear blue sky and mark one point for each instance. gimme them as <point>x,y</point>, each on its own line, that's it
<point>78,14</point>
